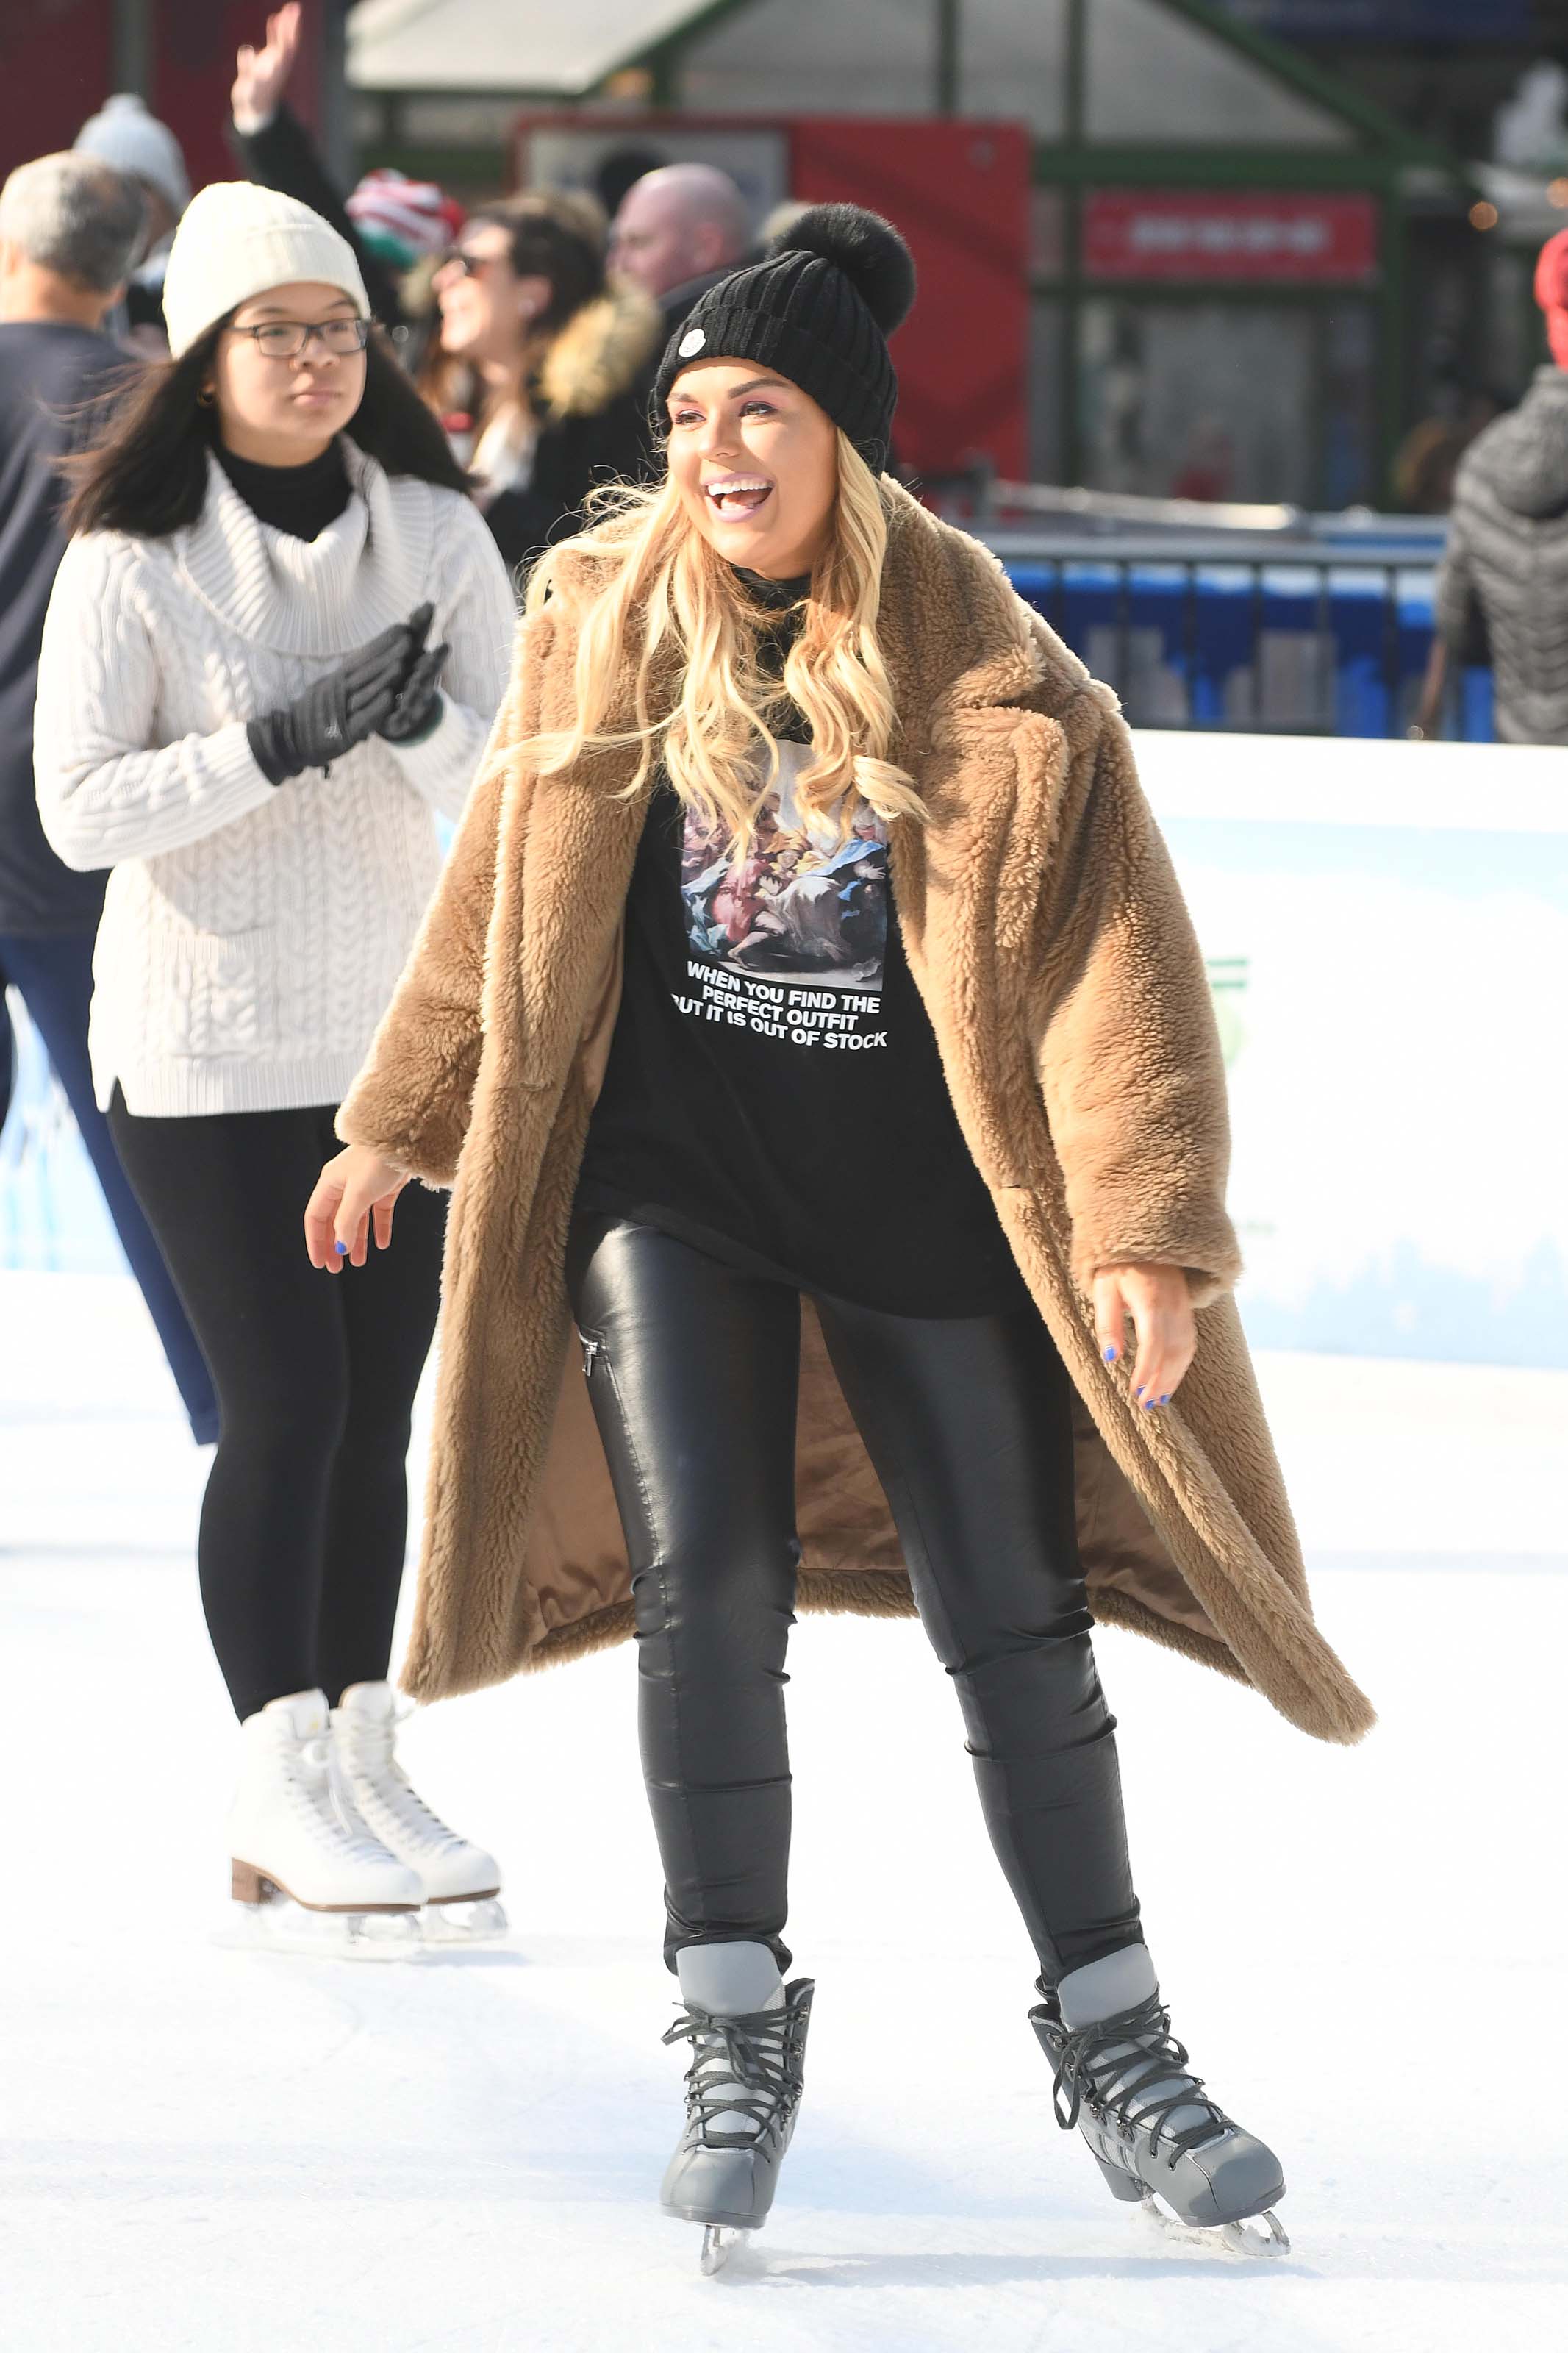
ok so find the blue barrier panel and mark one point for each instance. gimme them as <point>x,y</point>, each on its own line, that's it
<point>1313,648</point>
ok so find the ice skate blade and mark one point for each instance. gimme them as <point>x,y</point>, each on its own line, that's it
<point>278,1924</point>
<point>1259,2246</point>
<point>462,1920</point>
<point>1239,2238</point>
<point>718,2243</point>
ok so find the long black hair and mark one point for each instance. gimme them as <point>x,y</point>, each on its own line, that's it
<point>145,468</point>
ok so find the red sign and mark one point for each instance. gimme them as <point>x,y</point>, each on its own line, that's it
<point>959,190</point>
<point>1255,235</point>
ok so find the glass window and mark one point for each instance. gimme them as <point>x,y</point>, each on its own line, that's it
<point>1153,74</point>
<point>1047,317</point>
<point>1198,400</point>
<point>815,57</point>
<point>1011,61</point>
<point>1347,364</point>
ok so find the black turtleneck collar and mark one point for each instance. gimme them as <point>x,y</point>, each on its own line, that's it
<point>300,499</point>
<point>776,594</point>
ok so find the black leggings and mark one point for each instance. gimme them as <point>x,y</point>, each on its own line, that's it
<point>693,1371</point>
<point>306,1511</point>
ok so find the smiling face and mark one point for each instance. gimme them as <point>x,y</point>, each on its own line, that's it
<point>284,412</point>
<point>486,311</point>
<point>755,462</point>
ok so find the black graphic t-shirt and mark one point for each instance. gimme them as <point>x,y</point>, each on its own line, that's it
<point>774,1094</point>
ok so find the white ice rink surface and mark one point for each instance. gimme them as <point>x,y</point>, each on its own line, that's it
<point>1365,1949</point>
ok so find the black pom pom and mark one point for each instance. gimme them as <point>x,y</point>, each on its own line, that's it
<point>868,251</point>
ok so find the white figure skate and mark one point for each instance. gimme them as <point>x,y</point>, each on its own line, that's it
<point>747,2033</point>
<point>1122,2078</point>
<point>308,1879</point>
<point>460,1882</point>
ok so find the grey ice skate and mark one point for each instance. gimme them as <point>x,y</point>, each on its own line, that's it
<point>1123,2080</point>
<point>747,2033</point>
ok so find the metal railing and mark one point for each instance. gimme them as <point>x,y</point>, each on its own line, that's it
<point>1262,618</point>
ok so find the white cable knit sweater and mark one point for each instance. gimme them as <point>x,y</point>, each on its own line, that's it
<point>252,934</point>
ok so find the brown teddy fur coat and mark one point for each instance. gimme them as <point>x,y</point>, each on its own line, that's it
<point>1048,939</point>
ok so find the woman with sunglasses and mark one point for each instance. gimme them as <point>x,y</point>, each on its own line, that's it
<point>274,652</point>
<point>538,363</point>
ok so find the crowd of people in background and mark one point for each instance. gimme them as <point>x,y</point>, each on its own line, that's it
<point>275,458</point>
<point>530,326</point>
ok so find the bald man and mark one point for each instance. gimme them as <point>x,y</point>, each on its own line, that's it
<point>679,231</point>
<point>684,223</point>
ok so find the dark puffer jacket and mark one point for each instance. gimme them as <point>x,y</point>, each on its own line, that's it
<point>1505,576</point>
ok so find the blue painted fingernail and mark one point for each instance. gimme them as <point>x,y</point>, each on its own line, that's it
<point>1110,1356</point>
<point>1149,1404</point>
<point>1138,1390</point>
<point>341,1249</point>
<point>1166,1399</point>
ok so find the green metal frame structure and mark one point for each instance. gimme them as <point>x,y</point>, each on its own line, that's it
<point>1375,164</point>
<point>1379,155</point>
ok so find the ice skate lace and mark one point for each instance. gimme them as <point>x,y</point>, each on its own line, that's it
<point>380,1787</point>
<point>309,1796</point>
<point>746,2067</point>
<point>1092,2067</point>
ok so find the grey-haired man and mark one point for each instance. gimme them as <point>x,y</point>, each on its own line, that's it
<point>70,228</point>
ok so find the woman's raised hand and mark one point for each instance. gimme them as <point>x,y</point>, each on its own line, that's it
<point>261,76</point>
<point>1157,1301</point>
<point>352,1189</point>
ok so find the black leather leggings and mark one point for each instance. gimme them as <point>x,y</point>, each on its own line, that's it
<point>693,1371</point>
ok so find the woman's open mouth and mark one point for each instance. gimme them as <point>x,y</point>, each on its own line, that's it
<point>732,495</point>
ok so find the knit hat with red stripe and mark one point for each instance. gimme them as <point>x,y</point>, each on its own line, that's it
<point>403,220</point>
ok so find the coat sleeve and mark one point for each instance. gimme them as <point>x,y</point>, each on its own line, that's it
<point>477,615</point>
<point>107,790</point>
<point>280,154</point>
<point>1127,1050</point>
<point>1457,613</point>
<point>413,1098</point>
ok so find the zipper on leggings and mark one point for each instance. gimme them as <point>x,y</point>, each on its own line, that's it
<point>593,1345</point>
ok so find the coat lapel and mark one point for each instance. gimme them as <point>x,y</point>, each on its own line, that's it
<point>966,881</point>
<point>523,1560</point>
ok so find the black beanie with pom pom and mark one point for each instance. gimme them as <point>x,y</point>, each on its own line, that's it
<point>818,309</point>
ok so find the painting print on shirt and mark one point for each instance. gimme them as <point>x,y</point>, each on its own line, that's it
<point>789,939</point>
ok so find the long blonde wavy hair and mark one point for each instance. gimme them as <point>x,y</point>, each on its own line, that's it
<point>717,742</point>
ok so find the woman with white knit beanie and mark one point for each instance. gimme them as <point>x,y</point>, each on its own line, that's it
<point>274,652</point>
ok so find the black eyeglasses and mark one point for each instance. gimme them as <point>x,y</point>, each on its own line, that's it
<point>290,339</point>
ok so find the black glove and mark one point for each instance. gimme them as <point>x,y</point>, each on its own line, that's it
<point>350,703</point>
<point>417,710</point>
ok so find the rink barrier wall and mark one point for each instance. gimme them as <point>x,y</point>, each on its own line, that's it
<point>1387,928</point>
<point>1244,634</point>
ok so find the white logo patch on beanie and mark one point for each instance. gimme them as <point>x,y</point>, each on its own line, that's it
<point>691,343</point>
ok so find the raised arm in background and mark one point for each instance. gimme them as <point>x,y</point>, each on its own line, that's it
<point>278,152</point>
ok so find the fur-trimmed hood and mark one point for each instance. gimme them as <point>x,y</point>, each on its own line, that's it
<point>599,354</point>
<point>1047,935</point>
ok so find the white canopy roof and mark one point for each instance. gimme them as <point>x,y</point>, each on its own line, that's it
<point>546,46</point>
<point>1155,75</point>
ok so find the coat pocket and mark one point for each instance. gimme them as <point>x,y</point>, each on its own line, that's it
<point>214,994</point>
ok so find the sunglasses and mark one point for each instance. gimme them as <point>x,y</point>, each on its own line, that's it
<point>467,265</point>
